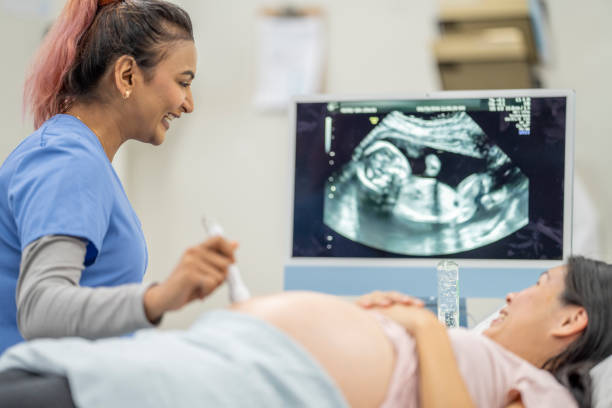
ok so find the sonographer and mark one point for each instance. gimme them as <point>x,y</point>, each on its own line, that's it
<point>72,251</point>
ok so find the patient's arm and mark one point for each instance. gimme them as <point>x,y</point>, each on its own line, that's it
<point>437,364</point>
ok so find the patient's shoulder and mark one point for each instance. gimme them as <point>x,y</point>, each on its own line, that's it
<point>494,375</point>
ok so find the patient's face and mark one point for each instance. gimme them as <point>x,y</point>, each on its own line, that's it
<point>530,314</point>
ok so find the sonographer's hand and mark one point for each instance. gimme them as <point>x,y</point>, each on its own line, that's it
<point>201,269</point>
<point>386,299</point>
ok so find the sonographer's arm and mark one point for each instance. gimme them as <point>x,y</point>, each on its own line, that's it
<point>199,272</point>
<point>50,302</point>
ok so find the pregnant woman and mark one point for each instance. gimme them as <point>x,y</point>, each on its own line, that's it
<point>309,349</point>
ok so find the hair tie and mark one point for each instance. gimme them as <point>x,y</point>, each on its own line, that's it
<point>102,3</point>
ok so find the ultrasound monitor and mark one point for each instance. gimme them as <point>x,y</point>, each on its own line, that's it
<point>474,176</point>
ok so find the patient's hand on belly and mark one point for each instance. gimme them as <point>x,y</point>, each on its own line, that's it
<point>346,340</point>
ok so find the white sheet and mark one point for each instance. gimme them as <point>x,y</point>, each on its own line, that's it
<point>226,359</point>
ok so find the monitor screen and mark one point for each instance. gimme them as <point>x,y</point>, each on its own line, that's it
<point>469,175</point>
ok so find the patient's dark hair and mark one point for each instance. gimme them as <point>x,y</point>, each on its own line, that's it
<point>588,283</point>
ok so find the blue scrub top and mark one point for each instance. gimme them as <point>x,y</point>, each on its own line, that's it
<point>59,181</point>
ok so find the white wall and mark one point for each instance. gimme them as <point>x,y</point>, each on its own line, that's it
<point>230,162</point>
<point>20,34</point>
<point>582,60</point>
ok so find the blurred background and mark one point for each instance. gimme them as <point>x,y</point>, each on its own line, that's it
<point>230,161</point>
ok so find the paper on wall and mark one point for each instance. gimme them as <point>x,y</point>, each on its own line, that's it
<point>290,60</point>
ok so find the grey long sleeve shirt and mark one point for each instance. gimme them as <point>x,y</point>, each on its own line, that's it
<point>50,302</point>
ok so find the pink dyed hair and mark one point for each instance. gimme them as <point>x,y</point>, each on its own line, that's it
<point>42,91</point>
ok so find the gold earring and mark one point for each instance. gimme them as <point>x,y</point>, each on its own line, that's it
<point>127,94</point>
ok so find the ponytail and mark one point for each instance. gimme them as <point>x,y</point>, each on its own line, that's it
<point>54,59</point>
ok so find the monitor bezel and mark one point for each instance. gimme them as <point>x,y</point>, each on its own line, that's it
<point>418,262</point>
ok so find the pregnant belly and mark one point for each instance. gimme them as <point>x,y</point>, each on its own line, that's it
<point>346,340</point>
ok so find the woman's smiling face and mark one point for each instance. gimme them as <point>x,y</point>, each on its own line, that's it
<point>530,314</point>
<point>167,94</point>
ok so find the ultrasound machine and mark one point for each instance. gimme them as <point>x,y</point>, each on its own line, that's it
<point>383,188</point>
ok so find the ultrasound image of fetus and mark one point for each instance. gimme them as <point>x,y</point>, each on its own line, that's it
<point>427,186</point>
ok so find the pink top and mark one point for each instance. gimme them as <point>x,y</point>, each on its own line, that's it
<point>492,374</point>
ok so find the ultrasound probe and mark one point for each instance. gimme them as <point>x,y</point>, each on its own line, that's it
<point>238,292</point>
